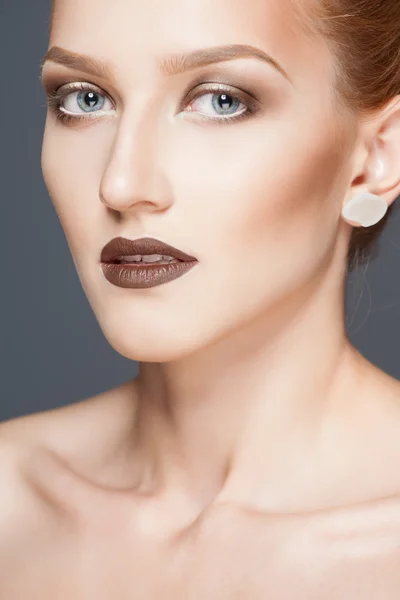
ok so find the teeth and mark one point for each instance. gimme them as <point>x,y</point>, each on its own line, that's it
<point>147,258</point>
<point>154,257</point>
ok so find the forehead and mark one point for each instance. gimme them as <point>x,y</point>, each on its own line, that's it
<point>134,32</point>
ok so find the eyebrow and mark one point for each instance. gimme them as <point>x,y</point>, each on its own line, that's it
<point>173,64</point>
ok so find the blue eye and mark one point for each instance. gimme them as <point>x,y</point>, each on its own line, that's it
<point>88,100</point>
<point>225,102</point>
<point>78,101</point>
<point>222,103</point>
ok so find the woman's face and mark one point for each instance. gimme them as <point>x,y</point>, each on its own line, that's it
<point>250,184</point>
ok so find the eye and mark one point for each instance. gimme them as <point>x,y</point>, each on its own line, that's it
<point>224,102</point>
<point>86,100</point>
<point>77,101</point>
<point>220,101</point>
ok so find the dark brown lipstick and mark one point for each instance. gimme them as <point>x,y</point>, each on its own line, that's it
<point>125,263</point>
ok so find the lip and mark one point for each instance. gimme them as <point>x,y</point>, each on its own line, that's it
<point>120,246</point>
<point>145,276</point>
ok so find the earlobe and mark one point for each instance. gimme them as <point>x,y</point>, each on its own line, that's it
<point>365,209</point>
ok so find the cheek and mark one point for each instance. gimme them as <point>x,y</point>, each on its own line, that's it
<point>271,194</point>
<point>268,210</point>
<point>71,171</point>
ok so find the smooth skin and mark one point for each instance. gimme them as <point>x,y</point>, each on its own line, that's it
<point>257,454</point>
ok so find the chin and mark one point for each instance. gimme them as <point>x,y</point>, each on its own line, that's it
<point>150,353</point>
<point>152,344</point>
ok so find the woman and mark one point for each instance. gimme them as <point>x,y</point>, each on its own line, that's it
<point>257,453</point>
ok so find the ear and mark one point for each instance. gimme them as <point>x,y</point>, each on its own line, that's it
<point>378,169</point>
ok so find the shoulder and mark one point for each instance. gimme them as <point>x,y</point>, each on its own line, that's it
<point>36,532</point>
<point>33,450</point>
<point>21,446</point>
<point>24,514</point>
<point>76,432</point>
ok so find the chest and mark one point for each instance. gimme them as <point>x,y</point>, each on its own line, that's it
<point>225,556</point>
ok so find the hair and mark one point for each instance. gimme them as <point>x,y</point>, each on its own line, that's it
<point>364,36</point>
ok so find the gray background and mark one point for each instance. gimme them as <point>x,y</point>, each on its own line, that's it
<point>52,350</point>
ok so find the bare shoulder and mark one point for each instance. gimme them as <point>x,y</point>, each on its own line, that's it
<point>76,431</point>
<point>35,535</point>
<point>14,494</point>
<point>34,515</point>
<point>24,514</point>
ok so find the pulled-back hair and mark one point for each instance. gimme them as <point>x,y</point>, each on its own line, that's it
<point>364,36</point>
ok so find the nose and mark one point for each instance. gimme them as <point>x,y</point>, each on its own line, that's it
<point>133,175</point>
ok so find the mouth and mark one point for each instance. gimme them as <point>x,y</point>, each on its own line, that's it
<point>142,251</point>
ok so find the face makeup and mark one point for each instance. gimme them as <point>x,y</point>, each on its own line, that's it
<point>150,149</point>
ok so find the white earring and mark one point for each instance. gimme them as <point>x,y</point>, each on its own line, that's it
<point>365,209</point>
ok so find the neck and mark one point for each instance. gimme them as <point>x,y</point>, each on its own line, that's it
<point>229,420</point>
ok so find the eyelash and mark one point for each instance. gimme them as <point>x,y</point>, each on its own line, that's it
<point>55,99</point>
